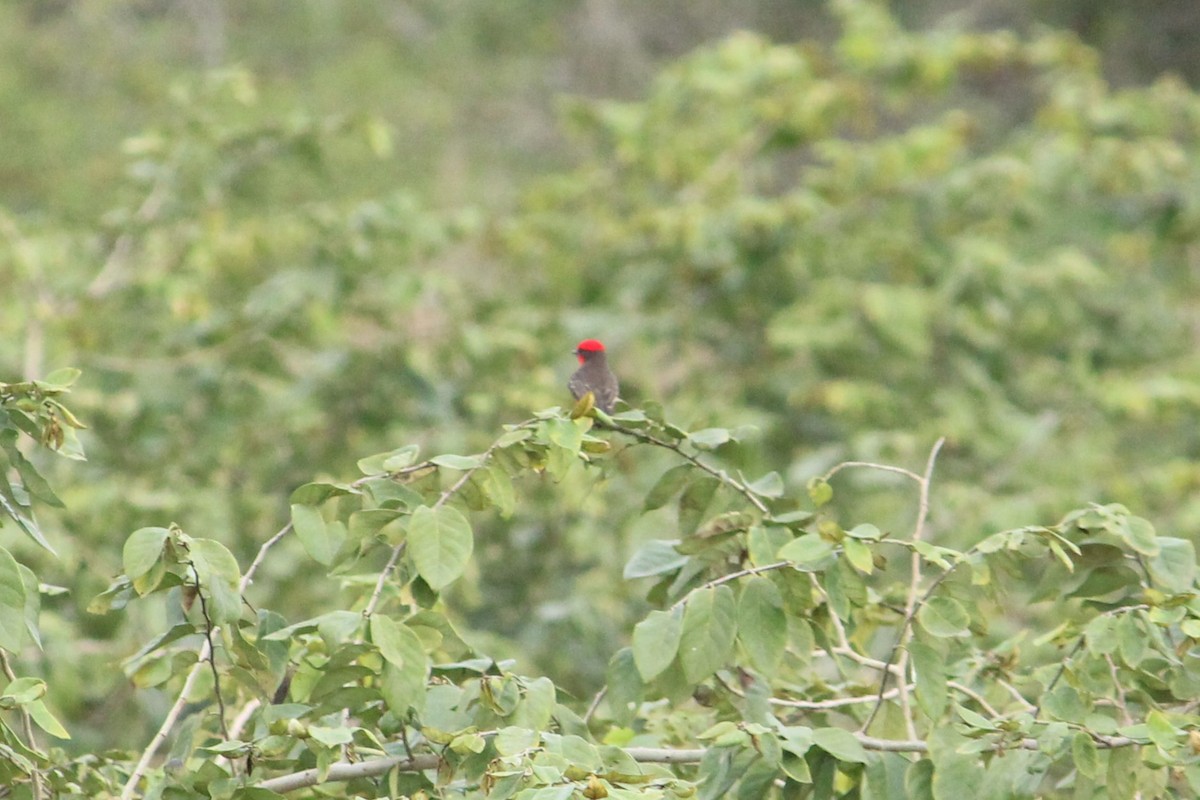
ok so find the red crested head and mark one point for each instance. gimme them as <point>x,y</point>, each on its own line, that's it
<point>588,347</point>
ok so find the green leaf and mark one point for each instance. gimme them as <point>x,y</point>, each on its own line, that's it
<point>796,768</point>
<point>1101,635</point>
<point>866,532</point>
<point>655,557</point>
<point>709,629</point>
<point>23,520</point>
<point>374,521</point>
<point>142,550</point>
<point>214,561</point>
<point>859,555</point>
<point>440,543</point>
<point>1132,641</point>
<point>499,487</point>
<point>954,771</point>
<point>219,577</point>
<point>33,481</point>
<point>331,737</point>
<point>764,542</point>
<point>840,744</point>
<point>975,720</point>
<point>709,438</point>
<point>943,617</point>
<point>396,642</point>
<point>845,589</point>
<point>1174,568</point>
<point>313,494</point>
<point>45,720</point>
<point>33,604</point>
<point>403,688</point>
<point>400,459</point>
<point>762,623</point>
<point>1061,555</point>
<point>24,690</point>
<point>884,777</point>
<point>513,437</point>
<point>1162,732</point>
<point>1065,703</point>
<point>1139,534</point>
<point>656,641</point>
<point>930,668</point>
<point>808,550</point>
<point>512,740</point>
<point>666,486</point>
<point>461,463</point>
<point>1086,755</point>
<point>575,749</point>
<point>819,491</point>
<point>61,378</point>
<point>567,434</point>
<point>695,499</point>
<point>12,603</point>
<point>390,461</point>
<point>625,686</point>
<point>941,557</point>
<point>1122,774</point>
<point>918,780</point>
<point>796,739</point>
<point>312,531</point>
<point>769,485</point>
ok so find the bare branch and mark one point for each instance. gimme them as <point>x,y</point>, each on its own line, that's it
<point>899,652</point>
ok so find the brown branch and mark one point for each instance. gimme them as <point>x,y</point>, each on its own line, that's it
<point>212,653</point>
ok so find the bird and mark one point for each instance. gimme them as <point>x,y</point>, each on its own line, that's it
<point>594,376</point>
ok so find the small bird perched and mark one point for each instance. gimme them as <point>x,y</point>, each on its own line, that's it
<point>594,376</point>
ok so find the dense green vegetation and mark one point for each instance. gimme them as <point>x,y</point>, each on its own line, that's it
<point>905,324</point>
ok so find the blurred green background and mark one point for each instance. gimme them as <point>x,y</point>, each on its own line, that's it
<point>280,236</point>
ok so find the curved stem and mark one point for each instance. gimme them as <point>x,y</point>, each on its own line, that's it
<point>695,461</point>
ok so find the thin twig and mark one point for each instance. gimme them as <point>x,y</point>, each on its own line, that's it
<point>189,682</point>
<point>872,465</point>
<point>212,653</point>
<point>1016,695</point>
<point>733,576</point>
<point>976,696</point>
<point>840,629</point>
<point>398,550</point>
<point>595,704</point>
<point>35,776</point>
<point>695,461</point>
<point>836,702</point>
<point>248,575</point>
<point>1120,698</point>
<point>856,657</point>
<point>899,652</point>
